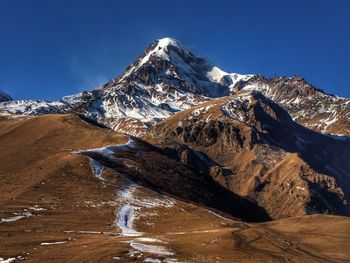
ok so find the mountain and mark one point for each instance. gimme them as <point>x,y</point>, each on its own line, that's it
<point>256,150</point>
<point>72,191</point>
<point>165,79</point>
<point>168,78</point>
<point>308,105</point>
<point>278,119</point>
<point>4,97</point>
<point>176,160</point>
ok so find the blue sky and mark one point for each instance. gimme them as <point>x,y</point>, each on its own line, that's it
<point>49,49</point>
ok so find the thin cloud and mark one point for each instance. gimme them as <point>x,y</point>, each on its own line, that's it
<point>86,76</point>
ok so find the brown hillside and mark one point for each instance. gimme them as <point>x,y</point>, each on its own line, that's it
<point>68,215</point>
<point>288,169</point>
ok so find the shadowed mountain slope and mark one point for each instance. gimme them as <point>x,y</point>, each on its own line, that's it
<point>260,152</point>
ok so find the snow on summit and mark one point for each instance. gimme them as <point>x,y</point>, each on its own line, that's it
<point>161,48</point>
<point>168,78</point>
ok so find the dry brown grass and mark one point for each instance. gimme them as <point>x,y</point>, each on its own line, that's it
<point>37,168</point>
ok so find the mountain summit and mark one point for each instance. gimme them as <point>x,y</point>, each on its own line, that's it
<point>168,78</point>
<point>166,61</point>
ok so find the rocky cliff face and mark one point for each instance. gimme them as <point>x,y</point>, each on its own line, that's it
<point>258,151</point>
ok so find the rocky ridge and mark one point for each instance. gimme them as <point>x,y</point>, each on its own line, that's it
<point>259,152</point>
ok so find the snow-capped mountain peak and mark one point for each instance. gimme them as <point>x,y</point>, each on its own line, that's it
<point>168,62</point>
<point>168,78</point>
<point>161,48</point>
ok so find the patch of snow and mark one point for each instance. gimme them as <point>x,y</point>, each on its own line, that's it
<point>199,111</point>
<point>16,217</point>
<point>224,218</point>
<point>88,232</point>
<point>36,208</point>
<point>97,168</point>
<point>149,239</point>
<point>128,212</point>
<point>29,107</point>
<point>52,243</point>
<point>153,249</point>
<point>134,253</point>
<point>157,201</point>
<point>72,99</point>
<point>9,260</point>
<point>108,152</point>
<point>195,113</point>
<point>238,107</point>
<point>170,260</point>
<point>12,218</point>
<point>125,221</point>
<point>296,100</point>
<point>216,75</point>
<point>127,191</point>
<point>158,50</point>
<point>153,260</point>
